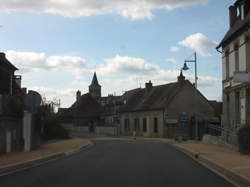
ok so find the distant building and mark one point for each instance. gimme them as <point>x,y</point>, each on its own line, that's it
<point>164,110</point>
<point>92,114</point>
<point>236,62</point>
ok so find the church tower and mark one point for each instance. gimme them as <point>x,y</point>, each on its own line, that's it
<point>95,88</point>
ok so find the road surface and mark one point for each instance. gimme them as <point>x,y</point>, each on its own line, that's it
<point>119,163</point>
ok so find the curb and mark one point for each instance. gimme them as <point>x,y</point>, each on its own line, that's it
<point>13,168</point>
<point>227,174</point>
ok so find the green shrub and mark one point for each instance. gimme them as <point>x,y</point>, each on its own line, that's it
<point>244,139</point>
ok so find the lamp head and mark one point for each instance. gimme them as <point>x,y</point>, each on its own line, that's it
<point>185,67</point>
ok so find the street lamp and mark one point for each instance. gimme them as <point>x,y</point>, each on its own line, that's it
<point>185,67</point>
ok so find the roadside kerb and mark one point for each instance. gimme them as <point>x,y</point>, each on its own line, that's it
<point>234,178</point>
<point>12,168</point>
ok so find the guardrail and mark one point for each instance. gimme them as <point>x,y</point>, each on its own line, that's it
<point>221,129</point>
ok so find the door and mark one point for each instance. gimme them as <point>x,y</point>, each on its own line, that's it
<point>8,141</point>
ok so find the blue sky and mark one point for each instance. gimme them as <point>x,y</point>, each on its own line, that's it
<point>58,46</point>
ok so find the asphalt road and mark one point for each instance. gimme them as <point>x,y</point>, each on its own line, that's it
<point>119,163</point>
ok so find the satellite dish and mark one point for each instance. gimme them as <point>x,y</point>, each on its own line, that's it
<point>32,101</point>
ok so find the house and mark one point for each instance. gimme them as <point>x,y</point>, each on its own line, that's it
<point>236,66</point>
<point>11,109</point>
<point>164,110</point>
<point>9,82</point>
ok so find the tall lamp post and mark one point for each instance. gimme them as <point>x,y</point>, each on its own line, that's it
<point>185,67</point>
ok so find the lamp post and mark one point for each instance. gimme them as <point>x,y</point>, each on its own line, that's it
<point>185,67</point>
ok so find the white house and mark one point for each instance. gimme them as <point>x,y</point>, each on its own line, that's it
<point>235,48</point>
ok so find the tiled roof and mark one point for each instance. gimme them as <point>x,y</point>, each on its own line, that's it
<point>238,27</point>
<point>87,106</point>
<point>156,98</point>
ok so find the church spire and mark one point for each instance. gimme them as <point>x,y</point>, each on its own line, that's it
<point>95,87</point>
<point>94,81</point>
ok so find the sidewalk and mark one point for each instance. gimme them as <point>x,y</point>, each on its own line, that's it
<point>164,140</point>
<point>43,151</point>
<point>231,164</point>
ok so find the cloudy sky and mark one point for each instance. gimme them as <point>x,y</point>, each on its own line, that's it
<point>58,44</point>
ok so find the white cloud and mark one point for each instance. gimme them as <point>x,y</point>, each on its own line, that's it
<point>133,9</point>
<point>138,70</point>
<point>31,61</point>
<point>199,43</point>
<point>174,49</point>
<point>27,61</point>
<point>126,65</point>
<point>172,60</point>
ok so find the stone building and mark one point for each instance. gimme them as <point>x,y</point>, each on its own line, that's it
<point>236,66</point>
<point>164,110</point>
<point>11,109</point>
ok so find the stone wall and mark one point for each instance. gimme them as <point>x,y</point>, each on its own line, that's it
<point>84,131</point>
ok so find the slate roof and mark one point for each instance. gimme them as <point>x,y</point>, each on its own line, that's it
<point>94,81</point>
<point>238,27</point>
<point>4,60</point>
<point>87,107</point>
<point>157,98</point>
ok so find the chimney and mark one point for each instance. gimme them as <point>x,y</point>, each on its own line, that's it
<point>181,78</point>
<point>78,95</point>
<point>2,55</point>
<point>148,86</point>
<point>24,91</point>
<point>232,15</point>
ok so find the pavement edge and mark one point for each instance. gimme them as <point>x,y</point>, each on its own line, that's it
<point>227,174</point>
<point>12,168</point>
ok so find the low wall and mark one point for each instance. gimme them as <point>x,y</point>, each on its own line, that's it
<point>109,131</point>
<point>217,140</point>
<point>85,131</point>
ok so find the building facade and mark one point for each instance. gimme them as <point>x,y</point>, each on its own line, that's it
<point>11,108</point>
<point>236,65</point>
<point>164,110</point>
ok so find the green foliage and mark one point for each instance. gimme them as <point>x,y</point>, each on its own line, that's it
<point>244,139</point>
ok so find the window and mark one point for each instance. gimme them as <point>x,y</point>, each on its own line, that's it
<point>144,125</point>
<point>137,125</point>
<point>126,125</point>
<point>155,125</point>
<point>227,64</point>
<point>237,107</point>
<point>236,54</point>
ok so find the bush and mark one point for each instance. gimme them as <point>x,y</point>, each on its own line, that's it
<point>244,139</point>
<point>53,130</point>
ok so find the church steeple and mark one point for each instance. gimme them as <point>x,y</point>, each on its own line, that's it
<point>95,87</point>
<point>94,81</point>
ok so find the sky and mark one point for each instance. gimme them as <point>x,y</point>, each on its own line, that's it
<point>58,45</point>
